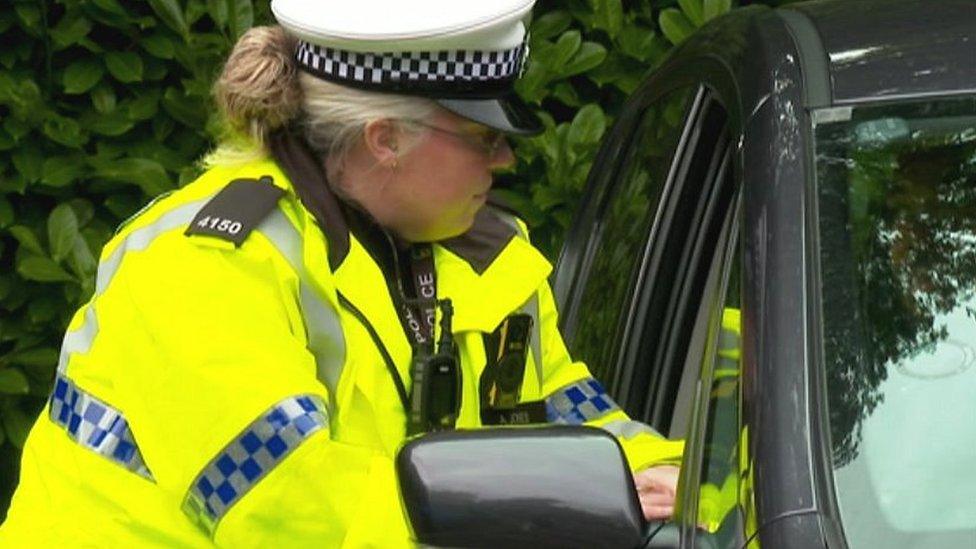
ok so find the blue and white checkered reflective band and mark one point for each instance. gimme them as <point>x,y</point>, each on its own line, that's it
<point>95,425</point>
<point>249,457</point>
<point>579,402</point>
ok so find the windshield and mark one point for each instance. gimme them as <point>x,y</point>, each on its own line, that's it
<point>897,216</point>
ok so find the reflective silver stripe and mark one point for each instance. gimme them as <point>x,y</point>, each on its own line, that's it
<point>579,402</point>
<point>80,340</point>
<point>531,308</point>
<point>628,429</point>
<point>240,465</point>
<point>96,426</point>
<point>325,337</point>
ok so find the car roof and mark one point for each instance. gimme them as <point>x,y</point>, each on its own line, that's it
<point>877,49</point>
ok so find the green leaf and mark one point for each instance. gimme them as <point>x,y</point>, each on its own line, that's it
<point>91,45</point>
<point>27,239</point>
<point>589,55</point>
<point>7,141</point>
<point>171,14</point>
<point>16,128</point>
<point>714,8</point>
<point>144,106</point>
<point>64,130</point>
<point>637,42</point>
<point>564,49</point>
<point>42,269</point>
<point>113,124</point>
<point>17,425</point>
<point>82,75</point>
<point>158,45</point>
<point>241,17</point>
<point>195,9</point>
<point>82,260</point>
<point>30,18</point>
<point>218,12</point>
<point>608,16</point>
<point>693,11</point>
<point>111,6</point>
<point>566,93</point>
<point>69,30</point>
<point>24,97</point>
<point>588,126</point>
<point>123,205</point>
<point>44,308</point>
<point>42,357</point>
<point>675,26</point>
<point>191,111</point>
<point>125,66</point>
<point>6,212</point>
<point>84,210</point>
<point>147,174</point>
<point>59,171</point>
<point>156,69</point>
<point>13,382</point>
<point>531,86</point>
<point>28,160</point>
<point>550,24</point>
<point>103,98</point>
<point>62,230</point>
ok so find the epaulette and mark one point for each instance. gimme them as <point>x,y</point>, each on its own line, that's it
<point>236,210</point>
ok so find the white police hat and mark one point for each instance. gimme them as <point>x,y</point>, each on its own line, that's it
<point>465,55</point>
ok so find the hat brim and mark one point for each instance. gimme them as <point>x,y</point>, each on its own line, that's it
<point>508,114</point>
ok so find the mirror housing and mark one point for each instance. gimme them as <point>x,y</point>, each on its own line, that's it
<point>554,486</point>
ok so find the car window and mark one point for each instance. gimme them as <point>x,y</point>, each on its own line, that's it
<point>718,516</point>
<point>896,187</point>
<point>622,230</point>
<point>658,342</point>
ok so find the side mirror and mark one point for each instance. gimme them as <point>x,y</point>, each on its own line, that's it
<point>556,486</point>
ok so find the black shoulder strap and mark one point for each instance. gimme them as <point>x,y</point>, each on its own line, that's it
<point>237,209</point>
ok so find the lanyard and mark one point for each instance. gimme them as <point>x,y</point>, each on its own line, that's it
<point>435,397</point>
<point>418,313</point>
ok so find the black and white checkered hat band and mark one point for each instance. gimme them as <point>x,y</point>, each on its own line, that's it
<point>443,73</point>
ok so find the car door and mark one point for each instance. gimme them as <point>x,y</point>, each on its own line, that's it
<point>642,285</point>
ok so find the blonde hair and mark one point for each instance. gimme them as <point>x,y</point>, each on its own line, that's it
<point>261,89</point>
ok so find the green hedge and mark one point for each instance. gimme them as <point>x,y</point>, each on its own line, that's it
<point>104,104</point>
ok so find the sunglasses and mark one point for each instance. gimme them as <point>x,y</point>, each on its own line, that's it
<point>487,141</point>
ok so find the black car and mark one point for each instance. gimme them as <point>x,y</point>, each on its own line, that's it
<point>775,260</point>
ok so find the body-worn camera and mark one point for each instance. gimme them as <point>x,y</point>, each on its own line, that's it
<point>501,382</point>
<point>435,400</point>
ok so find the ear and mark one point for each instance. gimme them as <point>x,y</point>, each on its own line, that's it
<point>381,140</point>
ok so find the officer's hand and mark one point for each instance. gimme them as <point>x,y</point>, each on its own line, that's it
<point>656,487</point>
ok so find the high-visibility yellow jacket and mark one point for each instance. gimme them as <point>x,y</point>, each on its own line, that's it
<point>213,394</point>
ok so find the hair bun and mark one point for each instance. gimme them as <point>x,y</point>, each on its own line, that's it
<point>258,90</point>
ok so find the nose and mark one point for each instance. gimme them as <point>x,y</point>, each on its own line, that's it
<point>503,157</point>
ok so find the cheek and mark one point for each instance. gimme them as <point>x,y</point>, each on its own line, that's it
<point>446,184</point>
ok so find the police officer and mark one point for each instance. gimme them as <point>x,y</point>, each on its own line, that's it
<point>261,342</point>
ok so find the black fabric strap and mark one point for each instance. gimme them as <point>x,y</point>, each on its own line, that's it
<point>307,175</point>
<point>418,310</point>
